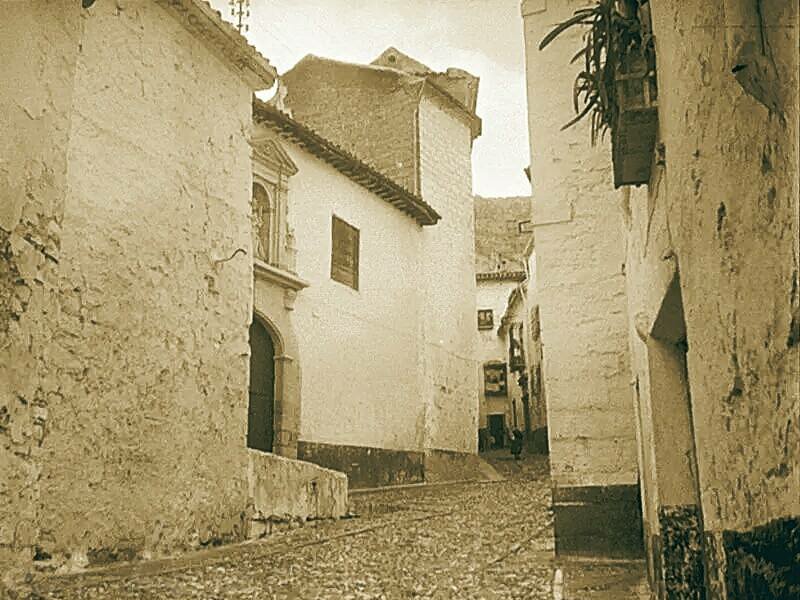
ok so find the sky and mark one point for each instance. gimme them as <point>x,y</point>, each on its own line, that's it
<point>482,36</point>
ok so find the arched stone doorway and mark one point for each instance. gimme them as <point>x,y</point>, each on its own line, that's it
<point>261,410</point>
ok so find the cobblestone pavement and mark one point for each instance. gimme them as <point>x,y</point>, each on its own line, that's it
<point>480,540</point>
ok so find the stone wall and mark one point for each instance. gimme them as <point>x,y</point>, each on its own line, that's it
<point>135,327</point>
<point>721,217</point>
<point>36,106</point>
<point>581,294</point>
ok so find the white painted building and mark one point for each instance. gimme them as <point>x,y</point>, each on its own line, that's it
<point>361,314</point>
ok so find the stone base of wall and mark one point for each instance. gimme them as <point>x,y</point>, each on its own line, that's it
<point>447,465</point>
<point>678,569</point>
<point>762,563</point>
<point>538,444</point>
<point>284,490</point>
<point>364,466</point>
<point>598,521</point>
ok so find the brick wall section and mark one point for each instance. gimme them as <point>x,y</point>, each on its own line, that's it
<point>139,406</point>
<point>497,236</point>
<point>580,281</point>
<point>373,116</point>
<point>450,363</point>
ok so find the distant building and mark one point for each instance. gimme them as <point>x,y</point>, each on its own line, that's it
<point>520,332</point>
<point>393,379</point>
<point>500,270</point>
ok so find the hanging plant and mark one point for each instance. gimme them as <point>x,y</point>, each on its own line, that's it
<point>613,39</point>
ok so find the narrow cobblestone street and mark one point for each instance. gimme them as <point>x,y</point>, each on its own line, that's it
<point>476,540</point>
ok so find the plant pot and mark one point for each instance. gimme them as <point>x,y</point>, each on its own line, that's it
<point>635,132</point>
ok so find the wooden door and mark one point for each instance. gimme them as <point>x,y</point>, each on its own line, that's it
<point>261,412</point>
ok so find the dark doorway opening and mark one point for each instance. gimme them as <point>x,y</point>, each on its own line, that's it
<point>497,430</point>
<point>261,411</point>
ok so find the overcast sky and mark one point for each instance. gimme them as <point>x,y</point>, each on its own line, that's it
<point>482,36</point>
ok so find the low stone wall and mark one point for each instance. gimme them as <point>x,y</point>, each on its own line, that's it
<point>598,521</point>
<point>366,467</point>
<point>283,489</point>
<point>446,465</point>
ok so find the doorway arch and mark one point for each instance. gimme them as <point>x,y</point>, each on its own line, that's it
<point>261,407</point>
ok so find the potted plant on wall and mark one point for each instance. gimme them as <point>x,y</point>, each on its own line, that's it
<point>616,88</point>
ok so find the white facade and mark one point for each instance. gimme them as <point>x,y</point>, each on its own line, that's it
<point>359,349</point>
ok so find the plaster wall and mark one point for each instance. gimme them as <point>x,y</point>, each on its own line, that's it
<point>731,209</point>
<point>580,284</point>
<point>138,338</point>
<point>357,349</point>
<point>515,316</point>
<point>534,354</point>
<point>35,104</point>
<point>724,212</point>
<point>449,361</point>
<point>286,489</point>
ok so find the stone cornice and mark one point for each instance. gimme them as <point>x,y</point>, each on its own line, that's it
<point>278,276</point>
<point>205,23</point>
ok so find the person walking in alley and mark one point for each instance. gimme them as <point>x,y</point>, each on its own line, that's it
<point>516,444</point>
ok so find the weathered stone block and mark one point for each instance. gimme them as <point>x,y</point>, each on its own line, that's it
<point>294,489</point>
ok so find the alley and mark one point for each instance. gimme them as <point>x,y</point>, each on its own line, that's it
<point>474,540</point>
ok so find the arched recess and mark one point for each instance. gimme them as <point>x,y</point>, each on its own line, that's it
<point>286,388</point>
<point>265,223</point>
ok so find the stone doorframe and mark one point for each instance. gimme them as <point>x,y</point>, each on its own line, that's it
<point>286,419</point>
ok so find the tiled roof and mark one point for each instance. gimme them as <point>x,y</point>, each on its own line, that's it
<point>345,163</point>
<point>200,19</point>
<point>500,247</point>
<point>501,276</point>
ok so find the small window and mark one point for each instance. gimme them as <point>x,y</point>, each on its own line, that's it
<point>344,253</point>
<point>486,319</point>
